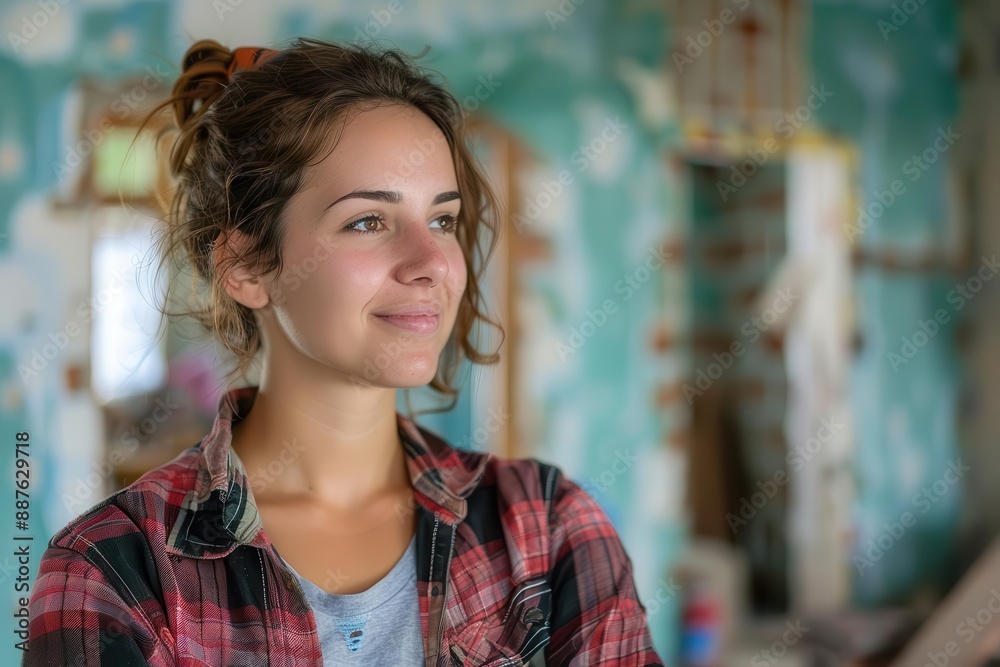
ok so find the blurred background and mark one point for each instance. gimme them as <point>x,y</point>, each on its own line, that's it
<point>746,280</point>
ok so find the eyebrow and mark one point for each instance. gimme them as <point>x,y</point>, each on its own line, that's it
<point>391,197</point>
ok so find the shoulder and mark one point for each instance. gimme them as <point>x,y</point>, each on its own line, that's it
<point>111,551</point>
<point>572,516</point>
<point>539,483</point>
<point>521,480</point>
<point>530,486</point>
<point>145,509</point>
<point>540,513</point>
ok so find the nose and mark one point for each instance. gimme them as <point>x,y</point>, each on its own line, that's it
<point>421,257</point>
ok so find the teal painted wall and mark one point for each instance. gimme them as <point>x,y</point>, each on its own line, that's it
<point>895,88</point>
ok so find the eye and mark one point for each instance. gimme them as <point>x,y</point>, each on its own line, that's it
<point>377,218</point>
<point>449,223</point>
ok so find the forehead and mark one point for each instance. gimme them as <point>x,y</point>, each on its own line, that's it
<point>391,146</point>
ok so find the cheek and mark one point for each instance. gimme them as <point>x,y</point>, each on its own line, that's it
<point>325,281</point>
<point>457,270</point>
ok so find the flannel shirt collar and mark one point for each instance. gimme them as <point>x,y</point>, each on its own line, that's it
<point>219,513</point>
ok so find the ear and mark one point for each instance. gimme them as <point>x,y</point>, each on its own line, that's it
<point>241,283</point>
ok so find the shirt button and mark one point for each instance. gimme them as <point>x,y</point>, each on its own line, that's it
<point>434,591</point>
<point>532,615</point>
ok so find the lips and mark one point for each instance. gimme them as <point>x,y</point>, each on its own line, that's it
<point>412,310</point>
<point>426,323</point>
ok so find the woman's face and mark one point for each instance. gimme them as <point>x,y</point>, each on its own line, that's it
<point>369,238</point>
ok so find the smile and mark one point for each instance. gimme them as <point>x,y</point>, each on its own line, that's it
<point>424,324</point>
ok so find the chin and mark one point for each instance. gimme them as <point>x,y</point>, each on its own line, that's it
<point>416,377</point>
<point>413,385</point>
<point>402,373</point>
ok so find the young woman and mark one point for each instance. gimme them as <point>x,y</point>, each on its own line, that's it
<point>326,198</point>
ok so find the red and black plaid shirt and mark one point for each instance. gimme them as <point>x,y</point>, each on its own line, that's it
<point>512,557</point>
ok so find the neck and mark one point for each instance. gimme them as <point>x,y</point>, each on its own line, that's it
<point>321,441</point>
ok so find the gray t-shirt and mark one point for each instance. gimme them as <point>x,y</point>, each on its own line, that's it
<point>380,626</point>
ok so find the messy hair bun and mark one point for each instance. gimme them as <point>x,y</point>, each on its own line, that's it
<point>247,123</point>
<point>203,79</point>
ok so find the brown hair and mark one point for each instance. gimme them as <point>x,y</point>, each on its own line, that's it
<point>241,143</point>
